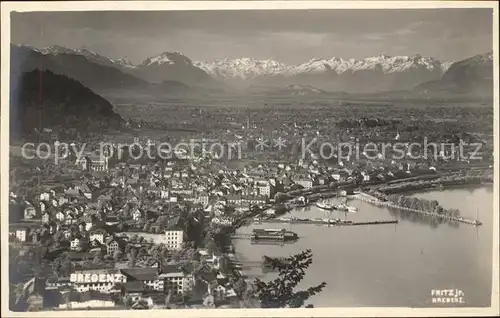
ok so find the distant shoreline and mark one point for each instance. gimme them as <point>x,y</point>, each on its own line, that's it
<point>450,187</point>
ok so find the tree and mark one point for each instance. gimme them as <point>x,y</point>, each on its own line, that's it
<point>117,256</point>
<point>280,293</point>
<point>279,197</point>
<point>128,247</point>
<point>87,264</point>
<point>97,259</point>
<point>120,227</point>
<point>132,258</point>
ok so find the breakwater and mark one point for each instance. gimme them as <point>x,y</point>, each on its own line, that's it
<point>335,222</point>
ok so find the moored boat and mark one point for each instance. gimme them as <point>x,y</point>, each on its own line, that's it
<point>325,206</point>
<point>346,208</point>
<point>273,234</point>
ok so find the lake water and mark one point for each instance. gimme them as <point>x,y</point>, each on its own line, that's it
<point>393,264</point>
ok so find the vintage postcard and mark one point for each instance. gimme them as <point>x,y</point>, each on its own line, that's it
<point>249,159</point>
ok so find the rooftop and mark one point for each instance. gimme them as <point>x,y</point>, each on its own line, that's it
<point>140,274</point>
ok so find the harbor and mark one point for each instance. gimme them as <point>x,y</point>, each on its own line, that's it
<point>341,253</point>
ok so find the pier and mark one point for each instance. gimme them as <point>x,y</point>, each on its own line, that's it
<point>335,222</point>
<point>371,199</point>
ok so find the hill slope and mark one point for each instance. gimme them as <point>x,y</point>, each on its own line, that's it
<point>93,75</point>
<point>165,74</point>
<point>469,77</point>
<point>42,99</point>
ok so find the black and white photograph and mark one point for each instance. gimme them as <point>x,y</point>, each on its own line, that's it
<point>276,156</point>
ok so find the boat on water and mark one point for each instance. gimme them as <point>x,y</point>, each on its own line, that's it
<point>325,206</point>
<point>273,235</point>
<point>346,208</point>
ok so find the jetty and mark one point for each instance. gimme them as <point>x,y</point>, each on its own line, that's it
<point>375,201</point>
<point>318,221</point>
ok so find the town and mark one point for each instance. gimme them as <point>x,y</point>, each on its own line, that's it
<point>95,232</point>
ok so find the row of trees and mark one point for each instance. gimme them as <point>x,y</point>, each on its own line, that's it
<point>422,205</point>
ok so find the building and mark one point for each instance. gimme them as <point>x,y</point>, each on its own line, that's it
<point>263,188</point>
<point>149,277</point>
<point>203,199</point>
<point>186,192</point>
<point>45,196</point>
<point>75,244</point>
<point>176,279</point>
<point>93,163</point>
<point>102,280</point>
<point>222,220</point>
<point>87,222</point>
<point>67,234</point>
<point>70,219</point>
<point>163,193</point>
<point>22,234</point>
<point>29,212</point>
<point>137,215</point>
<point>97,235</point>
<point>60,216</point>
<point>86,300</point>
<point>175,238</point>
<point>304,182</point>
<point>112,246</point>
<point>307,183</point>
<point>46,217</point>
<point>246,200</point>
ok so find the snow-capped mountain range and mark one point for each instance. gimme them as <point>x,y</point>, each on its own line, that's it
<point>248,68</point>
<point>371,74</point>
<point>168,58</point>
<point>90,55</point>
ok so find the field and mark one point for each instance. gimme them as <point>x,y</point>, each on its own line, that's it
<point>173,118</point>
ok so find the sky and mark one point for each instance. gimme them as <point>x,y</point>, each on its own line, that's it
<point>291,36</point>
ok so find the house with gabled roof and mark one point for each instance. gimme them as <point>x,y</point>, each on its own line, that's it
<point>137,215</point>
<point>44,196</point>
<point>76,244</point>
<point>70,219</point>
<point>30,212</point>
<point>42,205</point>
<point>46,217</point>
<point>60,216</point>
<point>98,235</point>
<point>113,244</point>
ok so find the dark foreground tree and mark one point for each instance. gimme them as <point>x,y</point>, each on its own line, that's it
<point>280,293</point>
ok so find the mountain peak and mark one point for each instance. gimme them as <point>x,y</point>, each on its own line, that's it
<point>167,58</point>
<point>247,68</point>
<point>57,49</point>
<point>242,68</point>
